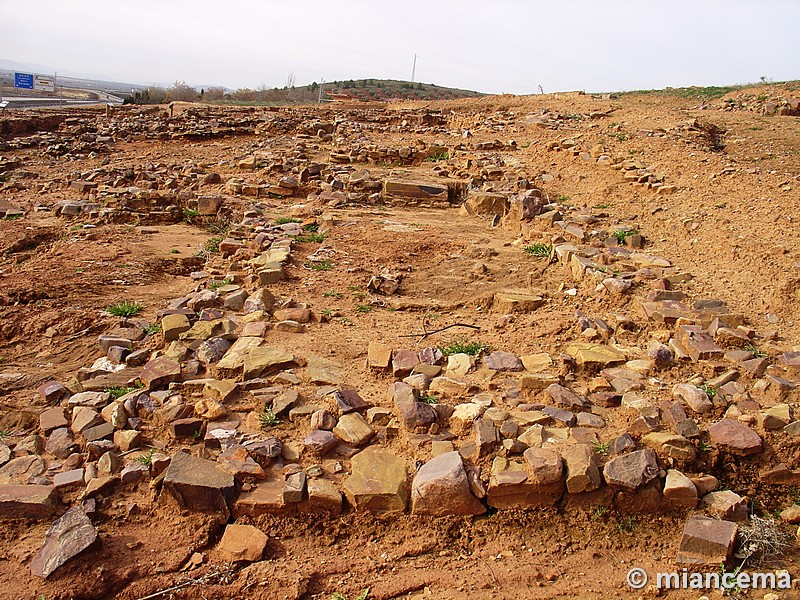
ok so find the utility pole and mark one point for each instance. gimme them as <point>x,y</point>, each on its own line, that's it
<point>321,85</point>
<point>414,69</point>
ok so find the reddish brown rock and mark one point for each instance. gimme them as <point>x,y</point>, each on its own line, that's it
<point>440,488</point>
<point>242,543</point>
<point>735,437</point>
<point>706,541</point>
<point>67,537</point>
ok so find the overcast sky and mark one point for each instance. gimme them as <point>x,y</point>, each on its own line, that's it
<point>501,46</point>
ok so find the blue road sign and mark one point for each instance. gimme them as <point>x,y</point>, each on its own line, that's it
<point>23,80</point>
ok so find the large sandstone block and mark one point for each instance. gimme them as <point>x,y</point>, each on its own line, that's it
<point>631,471</point>
<point>378,481</point>
<point>706,541</point>
<point>582,472</point>
<point>198,484</point>
<point>67,537</point>
<point>440,487</point>
<point>20,501</point>
<point>735,437</point>
<point>410,190</point>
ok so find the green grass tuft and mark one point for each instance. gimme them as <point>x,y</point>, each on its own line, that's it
<point>322,265</point>
<point>151,329</point>
<point>623,233</point>
<point>215,285</point>
<point>462,347</point>
<point>125,309</point>
<point>311,237</point>
<point>285,220</point>
<point>212,245</point>
<point>539,250</point>
<point>267,418</point>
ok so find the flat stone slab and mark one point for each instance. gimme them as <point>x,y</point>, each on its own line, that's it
<point>19,501</point>
<point>67,537</point>
<point>378,481</point>
<point>513,301</point>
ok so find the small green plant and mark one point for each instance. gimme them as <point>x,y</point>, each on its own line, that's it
<point>599,513</point>
<point>125,309</point>
<point>363,308</point>
<point>212,245</point>
<point>80,271</point>
<point>190,213</point>
<point>710,391</point>
<point>626,524</point>
<point>268,419</point>
<point>462,347</point>
<point>437,156</point>
<point>539,250</point>
<point>311,227</point>
<point>620,136</point>
<point>362,596</point>
<point>4,434</point>
<point>13,216</point>
<point>755,350</point>
<point>311,237</point>
<point>355,288</point>
<point>600,448</point>
<point>119,392</point>
<point>215,285</point>
<point>322,265</point>
<point>359,295</point>
<point>174,251</point>
<point>285,220</point>
<point>428,398</point>
<point>331,294</point>
<point>328,312</point>
<point>146,459</point>
<point>623,233</point>
<point>562,198</point>
<point>151,329</point>
<point>603,205</point>
<point>705,447</point>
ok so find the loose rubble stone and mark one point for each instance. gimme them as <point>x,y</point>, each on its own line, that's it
<point>242,543</point>
<point>67,537</point>
<point>725,505</point>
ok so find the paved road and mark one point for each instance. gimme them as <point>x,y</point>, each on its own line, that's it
<point>17,102</point>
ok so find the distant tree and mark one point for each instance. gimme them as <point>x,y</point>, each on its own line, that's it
<point>214,94</point>
<point>244,95</point>
<point>314,86</point>
<point>420,86</point>
<point>151,95</point>
<point>181,92</point>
